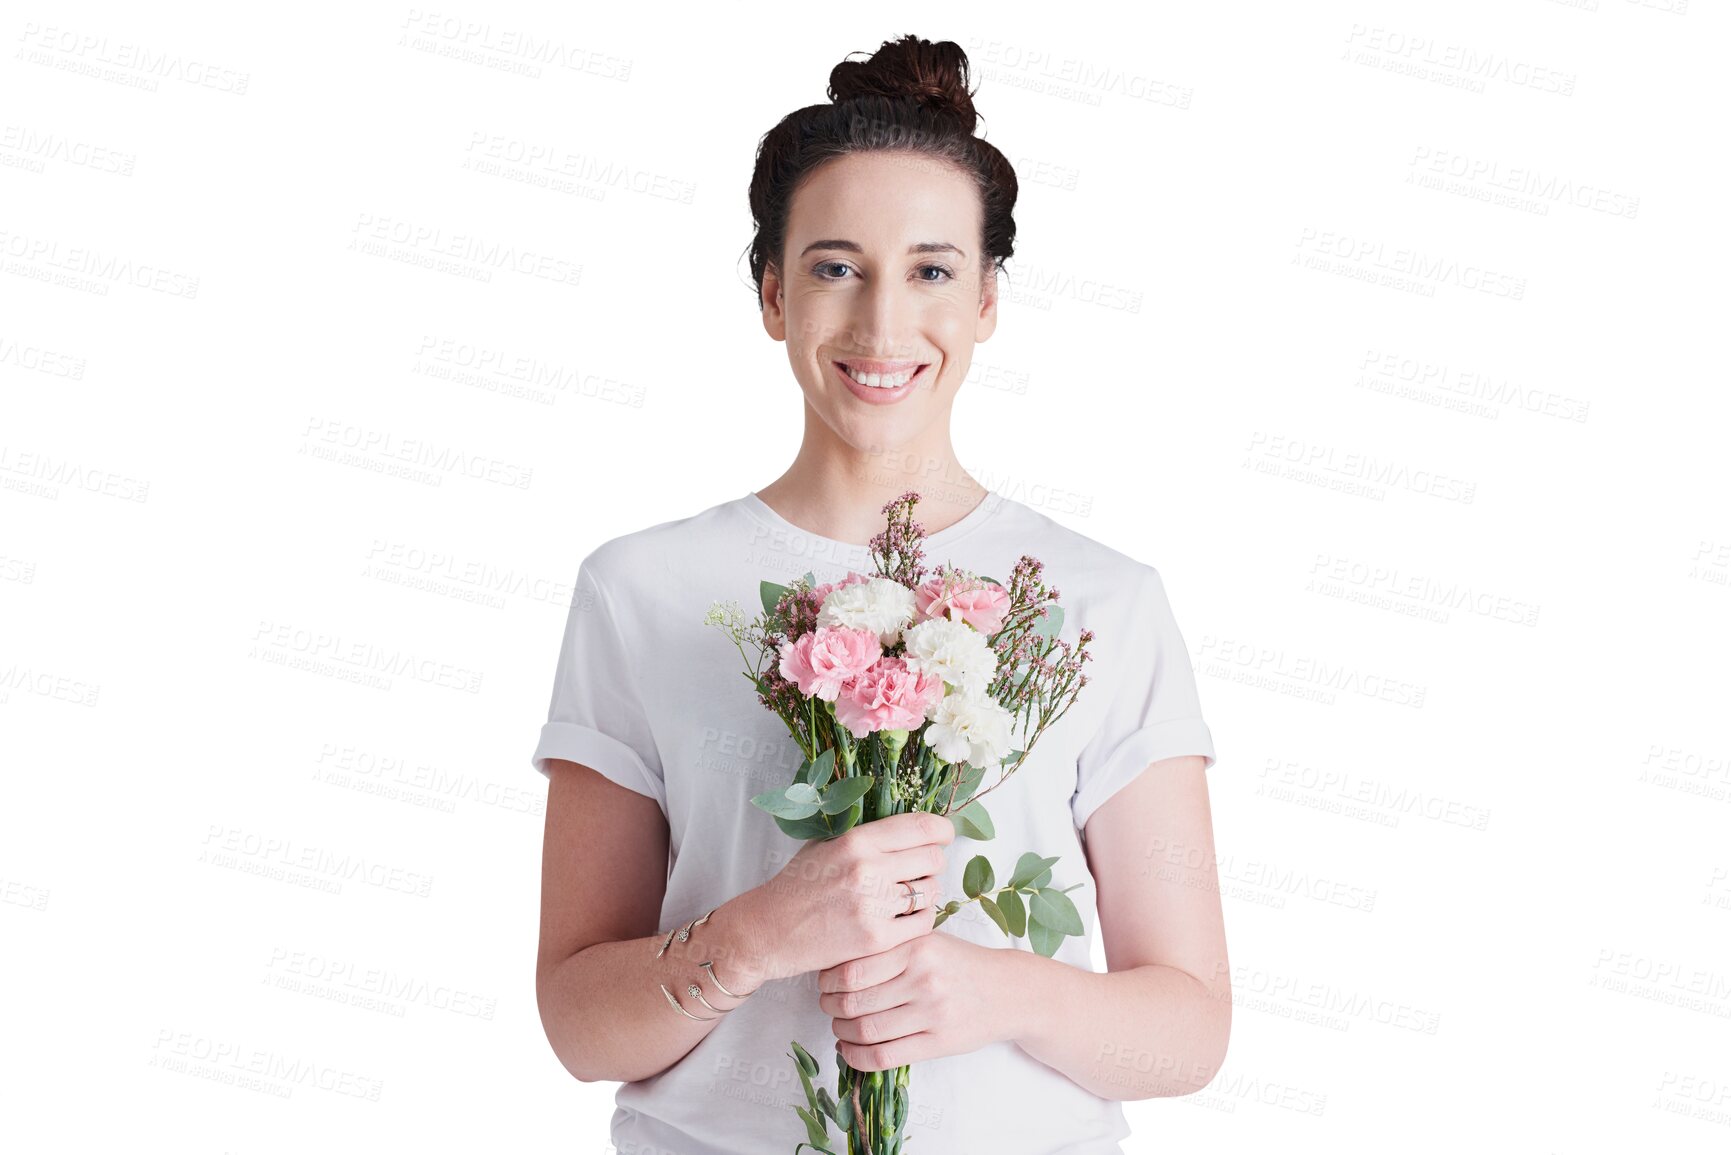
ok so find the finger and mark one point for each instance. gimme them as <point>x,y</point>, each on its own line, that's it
<point>897,865</point>
<point>866,971</point>
<point>888,1056</point>
<point>919,894</point>
<point>865,1000</point>
<point>879,1026</point>
<point>902,831</point>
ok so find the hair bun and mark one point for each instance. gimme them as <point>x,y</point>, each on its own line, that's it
<point>934,73</point>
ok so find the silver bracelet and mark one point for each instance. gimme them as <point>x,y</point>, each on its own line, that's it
<point>685,933</point>
<point>708,966</point>
<point>682,1010</point>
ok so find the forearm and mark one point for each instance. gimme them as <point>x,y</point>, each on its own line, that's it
<point>605,1014</point>
<point>1141,1033</point>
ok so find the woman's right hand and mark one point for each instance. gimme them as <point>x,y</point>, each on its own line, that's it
<point>842,898</point>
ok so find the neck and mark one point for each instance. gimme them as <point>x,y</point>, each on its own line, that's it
<point>838,490</point>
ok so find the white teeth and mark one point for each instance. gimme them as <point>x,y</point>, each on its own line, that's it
<point>882,380</point>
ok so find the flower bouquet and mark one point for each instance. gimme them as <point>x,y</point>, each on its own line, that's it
<point>903,692</point>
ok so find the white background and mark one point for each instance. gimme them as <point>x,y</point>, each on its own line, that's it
<point>1392,334</point>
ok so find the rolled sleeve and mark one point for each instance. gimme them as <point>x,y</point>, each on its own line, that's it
<point>596,716</point>
<point>1155,711</point>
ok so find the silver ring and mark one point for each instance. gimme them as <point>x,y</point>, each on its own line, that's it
<point>914,896</point>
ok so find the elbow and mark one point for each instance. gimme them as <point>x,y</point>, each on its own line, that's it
<point>1211,1044</point>
<point>566,1049</point>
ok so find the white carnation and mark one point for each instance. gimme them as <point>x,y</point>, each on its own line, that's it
<point>881,605</point>
<point>970,729</point>
<point>954,651</point>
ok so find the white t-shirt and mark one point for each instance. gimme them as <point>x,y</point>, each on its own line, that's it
<point>651,697</point>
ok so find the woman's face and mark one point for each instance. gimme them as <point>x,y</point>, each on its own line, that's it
<point>882,274</point>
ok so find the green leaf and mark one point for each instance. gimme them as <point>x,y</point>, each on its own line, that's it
<point>810,579</point>
<point>971,777</point>
<point>805,1061</point>
<point>1028,868</point>
<point>997,915</point>
<point>977,876</point>
<point>790,801</point>
<point>849,820</point>
<point>844,1114</point>
<point>972,821</point>
<point>1014,913</point>
<point>843,794</point>
<point>819,770</point>
<point>770,593</point>
<point>1044,939</point>
<point>1048,626</point>
<point>816,1133</point>
<point>826,1102</point>
<point>804,829</point>
<point>899,1113</point>
<point>1053,908</point>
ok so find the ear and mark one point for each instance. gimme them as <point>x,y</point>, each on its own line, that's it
<point>988,320</point>
<point>772,297</point>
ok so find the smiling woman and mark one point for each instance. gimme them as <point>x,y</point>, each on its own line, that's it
<point>685,940</point>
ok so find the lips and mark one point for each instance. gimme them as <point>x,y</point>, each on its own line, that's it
<point>878,394</point>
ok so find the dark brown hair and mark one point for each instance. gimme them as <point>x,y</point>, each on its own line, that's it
<point>912,95</point>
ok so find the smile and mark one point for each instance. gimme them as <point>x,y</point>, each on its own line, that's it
<point>881,382</point>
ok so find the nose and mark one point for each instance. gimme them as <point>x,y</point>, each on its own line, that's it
<point>881,317</point>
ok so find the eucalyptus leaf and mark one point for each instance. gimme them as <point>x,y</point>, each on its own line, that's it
<point>977,876</point>
<point>1048,626</point>
<point>997,916</point>
<point>843,794</point>
<point>804,829</point>
<point>849,820</point>
<point>970,779</point>
<point>802,792</point>
<point>820,770</point>
<point>1015,914</point>
<point>1054,909</point>
<point>770,593</point>
<point>826,1102</point>
<point>1044,939</point>
<point>972,821</point>
<point>784,806</point>
<point>1028,868</point>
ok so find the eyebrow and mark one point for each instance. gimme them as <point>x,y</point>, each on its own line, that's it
<point>852,247</point>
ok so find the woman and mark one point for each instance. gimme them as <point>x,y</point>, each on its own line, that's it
<point>882,222</point>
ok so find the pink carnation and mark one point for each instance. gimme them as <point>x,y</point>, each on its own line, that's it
<point>829,657</point>
<point>818,593</point>
<point>982,604</point>
<point>889,696</point>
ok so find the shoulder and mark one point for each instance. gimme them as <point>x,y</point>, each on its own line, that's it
<point>1073,561</point>
<point>634,559</point>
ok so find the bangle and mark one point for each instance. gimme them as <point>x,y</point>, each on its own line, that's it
<point>707,965</point>
<point>684,933</point>
<point>682,1010</point>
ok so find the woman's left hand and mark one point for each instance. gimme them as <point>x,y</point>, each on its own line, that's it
<point>932,996</point>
